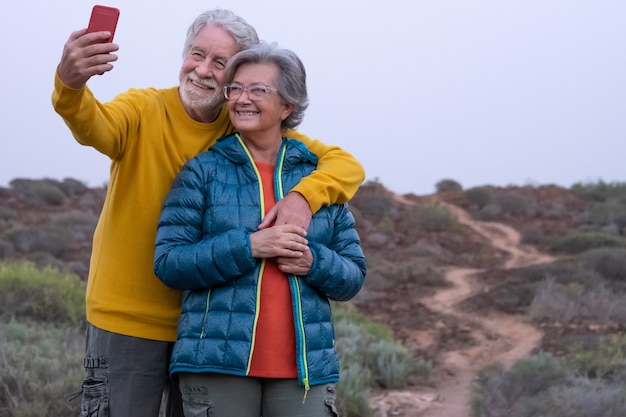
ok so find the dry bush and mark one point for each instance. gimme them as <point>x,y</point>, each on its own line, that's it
<point>448,185</point>
<point>601,191</point>
<point>370,358</point>
<point>608,262</point>
<point>39,366</point>
<point>73,187</point>
<point>564,272</point>
<point>377,205</point>
<point>46,192</point>
<point>499,393</point>
<point>579,242</point>
<point>435,218</point>
<point>383,273</point>
<point>545,386</point>
<point>532,235</point>
<point>565,303</point>
<point>47,239</point>
<point>608,213</point>
<point>7,250</point>
<point>7,214</point>
<point>478,197</point>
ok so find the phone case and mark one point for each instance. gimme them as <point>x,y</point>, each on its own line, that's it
<point>103,18</point>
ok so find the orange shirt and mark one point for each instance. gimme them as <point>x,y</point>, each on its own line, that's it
<point>274,354</point>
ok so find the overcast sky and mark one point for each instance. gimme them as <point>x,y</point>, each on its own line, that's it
<point>484,92</point>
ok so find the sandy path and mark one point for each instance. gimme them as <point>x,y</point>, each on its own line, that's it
<point>500,337</point>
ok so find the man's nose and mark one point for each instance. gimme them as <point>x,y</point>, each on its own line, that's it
<point>204,69</point>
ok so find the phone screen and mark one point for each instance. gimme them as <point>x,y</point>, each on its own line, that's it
<point>103,18</point>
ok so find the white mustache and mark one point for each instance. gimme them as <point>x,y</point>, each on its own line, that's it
<point>205,82</point>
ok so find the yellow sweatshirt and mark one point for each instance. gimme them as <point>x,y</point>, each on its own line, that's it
<point>148,136</point>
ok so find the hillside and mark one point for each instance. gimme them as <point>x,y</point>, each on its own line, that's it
<point>455,274</point>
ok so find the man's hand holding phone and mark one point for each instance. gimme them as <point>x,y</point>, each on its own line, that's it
<point>90,51</point>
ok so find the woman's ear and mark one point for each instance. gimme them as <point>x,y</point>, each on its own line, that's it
<point>288,108</point>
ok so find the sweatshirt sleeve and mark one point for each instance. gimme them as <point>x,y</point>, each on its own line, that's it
<point>92,123</point>
<point>336,179</point>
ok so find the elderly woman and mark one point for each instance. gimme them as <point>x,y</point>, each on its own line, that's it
<point>255,336</point>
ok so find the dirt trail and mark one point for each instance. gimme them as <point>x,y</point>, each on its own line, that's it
<point>498,337</point>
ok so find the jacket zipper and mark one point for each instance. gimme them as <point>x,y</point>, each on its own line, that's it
<point>262,268</point>
<point>206,312</point>
<point>278,190</point>
<point>302,362</point>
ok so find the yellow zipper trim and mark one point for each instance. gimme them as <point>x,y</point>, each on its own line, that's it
<point>258,290</point>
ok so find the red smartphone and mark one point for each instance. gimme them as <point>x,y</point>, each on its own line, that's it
<point>103,18</point>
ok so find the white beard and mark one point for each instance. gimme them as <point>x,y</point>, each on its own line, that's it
<point>200,102</point>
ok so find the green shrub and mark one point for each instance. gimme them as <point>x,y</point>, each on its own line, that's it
<point>608,262</point>
<point>565,303</point>
<point>566,397</point>
<point>42,260</point>
<point>383,273</point>
<point>50,239</point>
<point>6,249</point>
<point>73,187</point>
<point>532,235</point>
<point>359,220</point>
<point>7,214</point>
<point>76,225</point>
<point>478,196</point>
<point>39,366</point>
<point>600,191</point>
<point>353,391</point>
<point>552,302</point>
<point>608,213</point>
<point>562,272</point>
<point>502,393</point>
<point>536,374</point>
<point>513,298</point>
<point>391,363</point>
<point>598,361</point>
<point>46,192</point>
<point>437,219</point>
<point>90,202</point>
<point>579,242</point>
<point>378,273</point>
<point>386,226</point>
<point>418,270</point>
<point>47,294</point>
<point>511,203</point>
<point>370,358</point>
<point>448,185</point>
<point>376,205</point>
<point>586,397</point>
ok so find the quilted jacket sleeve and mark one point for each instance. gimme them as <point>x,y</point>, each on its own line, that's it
<point>339,268</point>
<point>185,256</point>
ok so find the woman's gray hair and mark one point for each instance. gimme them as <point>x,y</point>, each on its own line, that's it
<point>291,82</point>
<point>245,35</point>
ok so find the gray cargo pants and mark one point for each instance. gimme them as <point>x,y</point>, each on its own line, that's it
<point>127,377</point>
<point>219,395</point>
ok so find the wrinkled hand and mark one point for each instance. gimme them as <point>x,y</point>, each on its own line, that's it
<point>286,241</point>
<point>85,55</point>
<point>292,209</point>
<point>296,266</point>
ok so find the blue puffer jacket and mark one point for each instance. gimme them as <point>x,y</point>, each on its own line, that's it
<point>203,247</point>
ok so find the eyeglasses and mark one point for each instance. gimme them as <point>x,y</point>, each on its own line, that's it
<point>255,91</point>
